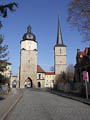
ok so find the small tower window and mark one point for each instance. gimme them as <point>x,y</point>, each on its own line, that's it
<point>60,61</point>
<point>28,61</point>
<point>39,76</point>
<point>60,50</point>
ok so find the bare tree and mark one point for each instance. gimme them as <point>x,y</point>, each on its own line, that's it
<point>70,72</point>
<point>4,9</point>
<point>61,78</point>
<point>52,68</point>
<point>70,68</point>
<point>79,16</point>
<point>3,48</point>
<point>3,54</point>
<point>67,77</point>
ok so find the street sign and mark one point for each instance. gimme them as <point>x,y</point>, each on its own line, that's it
<point>85,75</point>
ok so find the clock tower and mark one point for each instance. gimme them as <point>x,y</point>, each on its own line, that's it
<point>28,58</point>
<point>59,53</point>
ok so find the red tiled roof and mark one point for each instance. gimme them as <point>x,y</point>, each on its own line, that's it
<point>50,73</point>
<point>39,69</point>
<point>86,50</point>
<point>84,53</point>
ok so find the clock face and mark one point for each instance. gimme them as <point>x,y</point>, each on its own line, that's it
<point>29,36</point>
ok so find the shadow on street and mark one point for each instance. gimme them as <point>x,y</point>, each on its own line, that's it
<point>2,98</point>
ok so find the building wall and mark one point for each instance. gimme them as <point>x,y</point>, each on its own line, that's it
<point>28,45</point>
<point>60,68</point>
<point>42,82</point>
<point>28,62</point>
<point>60,59</point>
<point>49,80</point>
<point>60,50</point>
<point>40,75</point>
<point>41,79</point>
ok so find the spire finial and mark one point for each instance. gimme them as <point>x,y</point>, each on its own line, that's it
<point>29,29</point>
<point>58,12</point>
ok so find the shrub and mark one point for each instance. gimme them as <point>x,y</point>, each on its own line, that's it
<point>3,79</point>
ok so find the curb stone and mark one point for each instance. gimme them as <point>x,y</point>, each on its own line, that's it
<point>73,98</point>
<point>11,108</point>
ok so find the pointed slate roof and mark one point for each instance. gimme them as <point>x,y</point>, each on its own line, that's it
<point>59,35</point>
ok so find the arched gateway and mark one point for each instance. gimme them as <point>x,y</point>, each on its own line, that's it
<point>28,83</point>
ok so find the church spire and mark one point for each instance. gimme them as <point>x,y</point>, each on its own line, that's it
<point>59,34</point>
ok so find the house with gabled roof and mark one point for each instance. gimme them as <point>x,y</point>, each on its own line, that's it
<point>82,64</point>
<point>40,77</point>
<point>7,70</point>
<point>50,79</point>
<point>45,79</point>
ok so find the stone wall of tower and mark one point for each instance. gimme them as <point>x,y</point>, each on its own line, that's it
<point>60,59</point>
<point>28,67</point>
<point>29,45</point>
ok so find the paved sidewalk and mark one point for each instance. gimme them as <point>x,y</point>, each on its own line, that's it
<point>83,100</point>
<point>7,102</point>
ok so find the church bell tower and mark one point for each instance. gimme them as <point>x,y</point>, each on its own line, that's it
<point>28,58</point>
<point>59,53</point>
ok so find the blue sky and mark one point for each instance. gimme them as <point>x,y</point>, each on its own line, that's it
<point>41,15</point>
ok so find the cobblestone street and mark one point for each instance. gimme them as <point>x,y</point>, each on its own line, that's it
<point>41,105</point>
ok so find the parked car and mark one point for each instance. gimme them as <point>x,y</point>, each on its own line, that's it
<point>27,84</point>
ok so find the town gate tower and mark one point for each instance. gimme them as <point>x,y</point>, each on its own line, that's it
<point>28,58</point>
